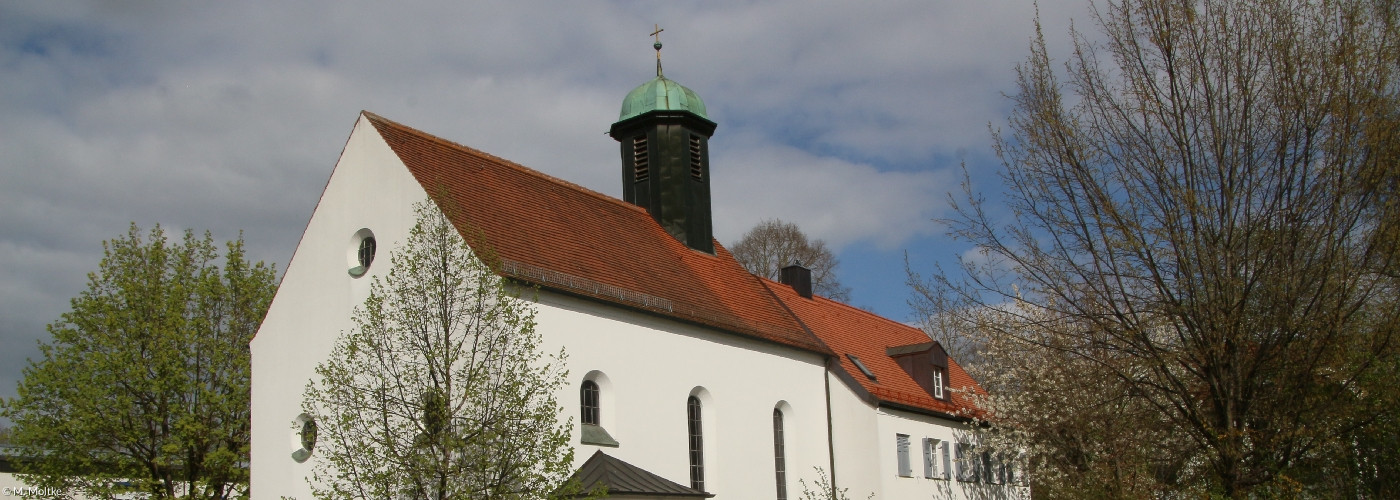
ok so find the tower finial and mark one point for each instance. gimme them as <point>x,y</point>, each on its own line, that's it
<point>657,45</point>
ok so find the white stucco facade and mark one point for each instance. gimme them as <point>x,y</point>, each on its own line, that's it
<point>369,188</point>
<point>654,365</point>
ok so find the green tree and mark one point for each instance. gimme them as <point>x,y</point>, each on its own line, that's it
<point>1202,214</point>
<point>824,489</point>
<point>145,384</point>
<point>440,390</point>
<point>774,244</point>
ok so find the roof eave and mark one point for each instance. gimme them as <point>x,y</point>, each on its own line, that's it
<point>662,314</point>
<point>924,411</point>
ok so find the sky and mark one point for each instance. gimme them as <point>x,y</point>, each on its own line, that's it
<point>851,119</point>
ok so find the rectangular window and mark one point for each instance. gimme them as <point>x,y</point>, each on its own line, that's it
<point>937,383</point>
<point>966,458</point>
<point>930,458</point>
<point>901,444</point>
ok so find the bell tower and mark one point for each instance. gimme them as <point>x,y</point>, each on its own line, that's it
<point>664,137</point>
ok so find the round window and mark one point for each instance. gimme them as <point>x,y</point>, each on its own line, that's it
<point>361,252</point>
<point>304,438</point>
<point>308,435</point>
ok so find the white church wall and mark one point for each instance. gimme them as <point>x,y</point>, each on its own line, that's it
<point>654,364</point>
<point>856,450</point>
<point>371,189</point>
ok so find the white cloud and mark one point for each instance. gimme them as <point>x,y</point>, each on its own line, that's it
<point>841,117</point>
<point>836,200</point>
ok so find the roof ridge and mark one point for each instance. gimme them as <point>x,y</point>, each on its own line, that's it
<point>374,117</point>
<point>815,296</point>
<point>767,285</point>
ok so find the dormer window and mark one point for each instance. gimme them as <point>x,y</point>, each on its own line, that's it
<point>926,363</point>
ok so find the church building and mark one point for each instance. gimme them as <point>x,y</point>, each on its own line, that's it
<point>689,376</point>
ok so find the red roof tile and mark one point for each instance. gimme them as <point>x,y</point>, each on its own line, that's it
<point>848,330</point>
<point>559,235</point>
<point>562,236</point>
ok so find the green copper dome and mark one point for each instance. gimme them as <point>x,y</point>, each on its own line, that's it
<point>661,94</point>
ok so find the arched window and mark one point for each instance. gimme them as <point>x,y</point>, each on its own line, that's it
<point>594,401</point>
<point>588,397</point>
<point>697,453</point>
<point>779,454</point>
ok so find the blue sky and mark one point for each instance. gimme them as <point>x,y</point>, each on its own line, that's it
<point>849,119</point>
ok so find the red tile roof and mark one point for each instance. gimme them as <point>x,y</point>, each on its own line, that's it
<point>848,330</point>
<point>563,236</point>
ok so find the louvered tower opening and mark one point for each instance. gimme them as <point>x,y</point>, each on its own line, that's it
<point>696,172</point>
<point>641,167</point>
<point>664,139</point>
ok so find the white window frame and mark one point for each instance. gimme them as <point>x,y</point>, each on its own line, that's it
<point>931,458</point>
<point>901,446</point>
<point>937,382</point>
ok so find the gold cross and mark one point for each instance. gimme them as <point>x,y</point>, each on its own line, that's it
<point>657,45</point>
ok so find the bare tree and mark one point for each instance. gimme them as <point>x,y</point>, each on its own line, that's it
<point>774,244</point>
<point>440,390</point>
<point>1202,223</point>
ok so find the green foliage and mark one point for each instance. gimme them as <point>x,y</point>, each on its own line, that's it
<point>440,390</point>
<point>824,489</point>
<point>145,384</point>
